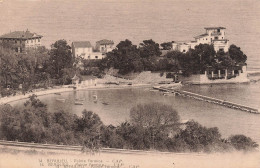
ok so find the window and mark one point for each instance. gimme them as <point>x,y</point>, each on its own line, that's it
<point>39,40</point>
<point>216,38</point>
<point>206,39</point>
<point>219,30</point>
<point>222,37</point>
<point>89,57</point>
<point>183,50</point>
<point>96,57</point>
<point>15,41</point>
<point>31,40</point>
<point>221,49</point>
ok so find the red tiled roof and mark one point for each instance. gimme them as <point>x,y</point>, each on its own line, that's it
<point>105,42</point>
<point>214,28</point>
<point>81,44</point>
<point>20,35</point>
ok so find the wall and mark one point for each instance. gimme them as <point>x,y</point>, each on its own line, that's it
<point>105,48</point>
<point>84,52</point>
<point>33,42</point>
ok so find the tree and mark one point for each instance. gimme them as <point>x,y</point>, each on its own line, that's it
<point>8,66</point>
<point>89,129</point>
<point>155,115</point>
<point>203,54</point>
<point>166,45</point>
<point>125,57</point>
<point>60,58</point>
<point>236,54</point>
<point>149,48</point>
<point>241,142</point>
<point>197,137</point>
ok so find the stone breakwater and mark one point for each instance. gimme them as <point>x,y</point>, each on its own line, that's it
<point>209,100</point>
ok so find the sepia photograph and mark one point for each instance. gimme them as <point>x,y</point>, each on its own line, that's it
<point>129,83</point>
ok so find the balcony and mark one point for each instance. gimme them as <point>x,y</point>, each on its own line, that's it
<point>215,33</point>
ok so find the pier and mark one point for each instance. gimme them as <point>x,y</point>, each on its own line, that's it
<point>208,99</point>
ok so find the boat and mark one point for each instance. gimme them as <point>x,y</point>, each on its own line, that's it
<point>80,99</point>
<point>95,98</point>
<point>78,103</point>
<point>61,100</point>
<point>105,103</point>
<point>174,85</point>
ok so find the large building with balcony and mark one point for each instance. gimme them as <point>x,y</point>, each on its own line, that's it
<point>213,35</point>
<point>21,40</point>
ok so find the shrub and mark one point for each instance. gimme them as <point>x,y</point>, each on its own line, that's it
<point>241,142</point>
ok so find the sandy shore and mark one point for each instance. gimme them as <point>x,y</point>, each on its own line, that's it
<point>66,88</point>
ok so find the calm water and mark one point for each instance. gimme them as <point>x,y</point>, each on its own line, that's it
<point>161,20</point>
<point>120,101</point>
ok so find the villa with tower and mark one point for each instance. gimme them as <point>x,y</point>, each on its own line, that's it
<point>213,35</point>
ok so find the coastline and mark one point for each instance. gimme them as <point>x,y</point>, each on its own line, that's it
<point>66,88</point>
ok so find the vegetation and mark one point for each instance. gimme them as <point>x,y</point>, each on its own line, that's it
<point>152,126</point>
<point>40,67</point>
<point>35,68</point>
<point>130,58</point>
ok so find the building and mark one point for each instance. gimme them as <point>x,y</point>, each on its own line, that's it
<point>81,48</point>
<point>105,45</point>
<point>85,49</point>
<point>237,74</point>
<point>213,35</point>
<point>21,40</point>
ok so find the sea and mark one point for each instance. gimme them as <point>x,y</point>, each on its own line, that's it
<point>136,20</point>
<point>162,21</point>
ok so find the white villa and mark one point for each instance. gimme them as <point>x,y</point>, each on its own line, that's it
<point>213,35</point>
<point>85,50</point>
<point>105,45</point>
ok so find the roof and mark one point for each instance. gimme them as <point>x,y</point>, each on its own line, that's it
<point>81,44</point>
<point>20,35</point>
<point>202,35</point>
<point>214,28</point>
<point>180,42</point>
<point>105,42</point>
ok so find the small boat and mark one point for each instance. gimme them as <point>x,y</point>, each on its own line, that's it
<point>78,103</point>
<point>80,99</point>
<point>57,93</point>
<point>105,103</point>
<point>61,100</point>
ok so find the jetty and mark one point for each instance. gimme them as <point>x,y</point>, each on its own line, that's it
<point>208,99</point>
